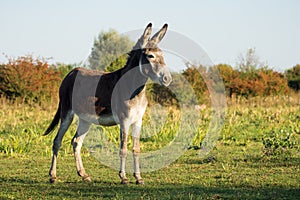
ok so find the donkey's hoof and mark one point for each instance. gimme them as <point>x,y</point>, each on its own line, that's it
<point>124,181</point>
<point>140,182</point>
<point>87,179</point>
<point>53,180</point>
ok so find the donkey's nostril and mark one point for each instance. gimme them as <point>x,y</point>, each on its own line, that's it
<point>165,79</point>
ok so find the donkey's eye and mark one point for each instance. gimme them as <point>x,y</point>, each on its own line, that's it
<point>150,56</point>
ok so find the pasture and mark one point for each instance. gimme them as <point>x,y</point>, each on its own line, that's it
<point>257,157</point>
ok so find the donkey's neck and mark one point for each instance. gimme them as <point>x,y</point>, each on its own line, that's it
<point>136,80</point>
<point>131,77</point>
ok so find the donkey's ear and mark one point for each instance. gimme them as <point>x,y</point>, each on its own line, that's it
<point>160,34</point>
<point>146,35</point>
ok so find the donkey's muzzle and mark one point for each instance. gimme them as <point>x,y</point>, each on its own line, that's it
<point>165,77</point>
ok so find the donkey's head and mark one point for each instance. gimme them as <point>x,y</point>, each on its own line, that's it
<point>151,62</point>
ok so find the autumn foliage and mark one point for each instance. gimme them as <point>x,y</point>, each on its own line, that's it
<point>258,82</point>
<point>30,79</point>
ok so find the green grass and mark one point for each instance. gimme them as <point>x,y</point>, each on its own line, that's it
<point>237,168</point>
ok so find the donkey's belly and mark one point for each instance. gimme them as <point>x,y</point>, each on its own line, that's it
<point>104,120</point>
<point>107,120</point>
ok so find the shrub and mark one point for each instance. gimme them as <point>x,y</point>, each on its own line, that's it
<point>247,83</point>
<point>28,78</point>
<point>195,76</point>
<point>293,77</point>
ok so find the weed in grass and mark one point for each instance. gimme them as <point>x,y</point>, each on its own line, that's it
<point>277,142</point>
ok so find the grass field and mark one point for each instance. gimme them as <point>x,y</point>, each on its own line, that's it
<point>257,157</point>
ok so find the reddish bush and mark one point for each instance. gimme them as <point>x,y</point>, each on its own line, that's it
<point>28,78</point>
<point>257,82</point>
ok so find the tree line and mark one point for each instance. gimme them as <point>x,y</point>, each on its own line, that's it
<point>35,80</point>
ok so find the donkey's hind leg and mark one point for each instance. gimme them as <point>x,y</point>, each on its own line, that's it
<point>64,125</point>
<point>82,130</point>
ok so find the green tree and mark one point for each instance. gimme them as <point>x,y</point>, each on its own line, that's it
<point>64,69</point>
<point>293,77</point>
<point>109,51</point>
<point>118,63</point>
<point>196,75</point>
<point>248,64</point>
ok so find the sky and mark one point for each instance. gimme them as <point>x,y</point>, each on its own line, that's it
<point>64,30</point>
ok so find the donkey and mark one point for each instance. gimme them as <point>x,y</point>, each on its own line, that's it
<point>109,99</point>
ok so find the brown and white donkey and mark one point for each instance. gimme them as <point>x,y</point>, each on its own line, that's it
<point>109,99</point>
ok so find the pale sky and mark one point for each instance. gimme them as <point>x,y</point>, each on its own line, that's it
<point>65,29</point>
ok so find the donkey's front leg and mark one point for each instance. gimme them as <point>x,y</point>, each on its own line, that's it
<point>136,128</point>
<point>124,127</point>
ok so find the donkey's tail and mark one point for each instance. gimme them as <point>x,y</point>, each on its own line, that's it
<point>54,121</point>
